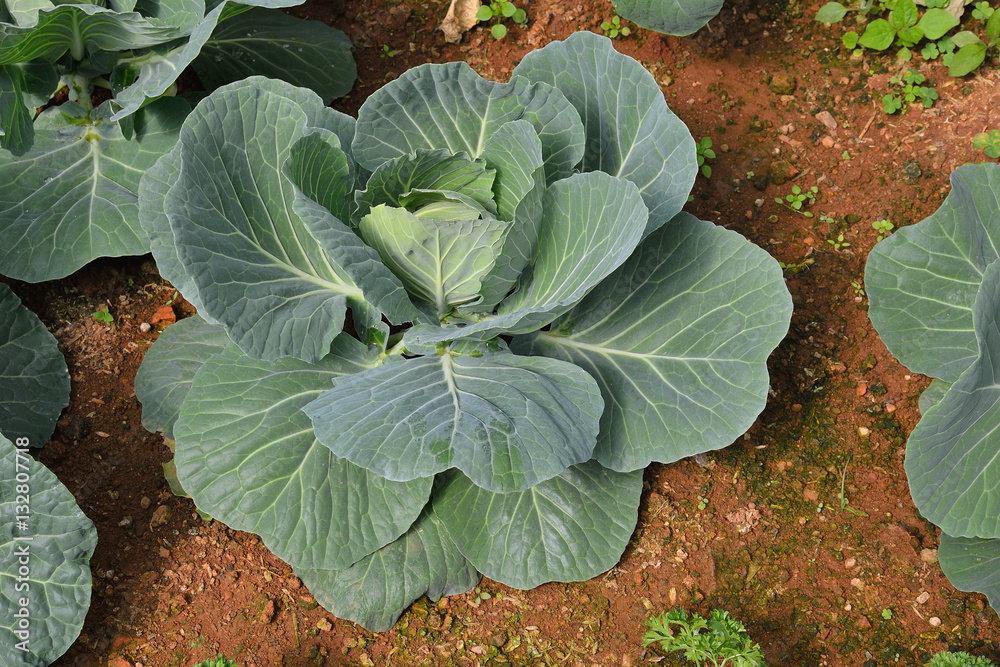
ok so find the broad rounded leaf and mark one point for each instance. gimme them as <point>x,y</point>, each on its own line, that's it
<point>936,22</point>
<point>164,378</point>
<point>923,280</point>
<point>678,339</point>
<point>631,133</point>
<point>73,196</point>
<point>591,223</point>
<point>247,455</point>
<point>507,422</point>
<point>569,528</point>
<point>277,272</point>
<point>56,546</point>
<point>831,12</point>
<point>35,385</point>
<point>450,106</point>
<point>878,35</point>
<point>375,591</point>
<point>270,43</point>
<point>673,17</point>
<point>972,565</point>
<point>951,457</point>
<point>967,59</point>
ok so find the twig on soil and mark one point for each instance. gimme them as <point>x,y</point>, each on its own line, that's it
<point>865,131</point>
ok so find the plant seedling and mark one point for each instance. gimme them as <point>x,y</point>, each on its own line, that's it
<point>988,142</point>
<point>883,228</point>
<point>705,152</point>
<point>498,10</point>
<point>614,28</point>
<point>911,92</point>
<point>718,641</point>
<point>798,198</point>
<point>702,502</point>
<point>480,596</point>
<point>839,242</point>
<point>387,52</point>
<point>103,315</point>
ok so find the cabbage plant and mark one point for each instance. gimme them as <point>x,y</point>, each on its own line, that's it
<point>446,339</point>
<point>672,17</point>
<point>70,174</point>
<point>935,301</point>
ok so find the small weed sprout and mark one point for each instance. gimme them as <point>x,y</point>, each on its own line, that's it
<point>799,198</point>
<point>498,10</point>
<point>887,614</point>
<point>883,228</point>
<point>838,242</point>
<point>480,596</point>
<point>859,290</point>
<point>705,152</point>
<point>718,641</point>
<point>614,28</point>
<point>387,52</point>
<point>988,142</point>
<point>702,502</point>
<point>103,315</point>
<point>912,91</point>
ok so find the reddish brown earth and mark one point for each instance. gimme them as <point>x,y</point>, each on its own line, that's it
<point>757,529</point>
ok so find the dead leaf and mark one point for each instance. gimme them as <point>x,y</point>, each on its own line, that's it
<point>460,17</point>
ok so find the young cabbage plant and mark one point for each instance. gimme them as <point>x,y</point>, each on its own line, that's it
<point>71,173</point>
<point>556,322</point>
<point>671,17</point>
<point>935,301</point>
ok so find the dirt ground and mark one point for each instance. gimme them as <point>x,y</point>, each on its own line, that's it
<point>803,529</point>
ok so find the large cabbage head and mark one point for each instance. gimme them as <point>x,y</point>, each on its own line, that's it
<point>532,322</point>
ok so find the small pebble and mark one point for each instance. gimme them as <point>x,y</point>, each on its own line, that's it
<point>849,563</point>
<point>145,502</point>
<point>145,327</point>
<point>923,597</point>
<point>863,431</point>
<point>848,607</point>
<point>934,621</point>
<point>890,408</point>
<point>857,583</point>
